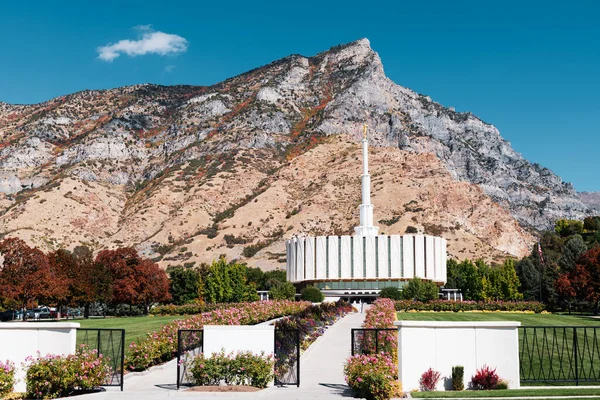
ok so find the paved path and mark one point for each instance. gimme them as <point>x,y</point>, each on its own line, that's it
<point>321,374</point>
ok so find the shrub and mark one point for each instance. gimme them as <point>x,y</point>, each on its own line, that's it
<point>429,380</point>
<point>390,292</point>
<point>7,377</point>
<point>312,294</point>
<point>243,368</point>
<point>411,229</point>
<point>502,385</point>
<point>458,306</point>
<point>283,291</point>
<point>485,379</point>
<point>55,376</point>
<point>373,376</point>
<point>458,382</point>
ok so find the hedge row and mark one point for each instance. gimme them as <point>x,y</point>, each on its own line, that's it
<point>462,306</point>
<point>190,309</point>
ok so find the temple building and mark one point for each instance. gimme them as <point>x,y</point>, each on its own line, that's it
<point>359,266</point>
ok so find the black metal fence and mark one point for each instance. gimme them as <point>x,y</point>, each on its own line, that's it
<point>567,354</point>
<point>287,357</point>
<point>111,344</point>
<point>190,343</point>
<point>374,340</point>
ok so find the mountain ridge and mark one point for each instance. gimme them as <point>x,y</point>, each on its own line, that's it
<point>124,163</point>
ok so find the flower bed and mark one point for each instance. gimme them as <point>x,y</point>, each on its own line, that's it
<point>55,376</point>
<point>243,368</point>
<point>161,346</point>
<point>465,306</point>
<point>7,377</point>
<point>374,376</point>
<point>314,320</point>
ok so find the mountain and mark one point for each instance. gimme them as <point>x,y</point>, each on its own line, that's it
<point>186,173</point>
<point>592,200</point>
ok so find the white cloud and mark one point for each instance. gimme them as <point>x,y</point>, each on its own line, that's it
<point>151,42</point>
<point>170,68</point>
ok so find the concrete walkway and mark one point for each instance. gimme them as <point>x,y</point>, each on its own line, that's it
<point>321,374</point>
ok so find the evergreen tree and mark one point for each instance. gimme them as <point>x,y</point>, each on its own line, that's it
<point>574,248</point>
<point>529,276</point>
<point>184,284</point>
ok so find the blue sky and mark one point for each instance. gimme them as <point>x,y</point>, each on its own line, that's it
<point>532,68</point>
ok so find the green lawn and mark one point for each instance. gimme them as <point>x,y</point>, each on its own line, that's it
<point>509,393</point>
<point>524,319</point>
<point>136,328</point>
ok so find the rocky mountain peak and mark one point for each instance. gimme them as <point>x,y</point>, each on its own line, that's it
<point>143,155</point>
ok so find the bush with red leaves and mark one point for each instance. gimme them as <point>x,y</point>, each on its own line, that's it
<point>485,379</point>
<point>429,380</point>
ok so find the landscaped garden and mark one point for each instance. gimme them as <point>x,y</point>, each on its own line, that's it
<point>524,319</point>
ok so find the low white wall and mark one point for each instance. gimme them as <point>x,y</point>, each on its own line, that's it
<point>441,345</point>
<point>18,340</point>
<point>234,338</point>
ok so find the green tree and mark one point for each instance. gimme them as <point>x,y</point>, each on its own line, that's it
<point>390,292</point>
<point>574,248</point>
<point>273,278</point>
<point>508,282</point>
<point>418,289</point>
<point>283,291</point>
<point>465,277</point>
<point>216,287</point>
<point>312,294</point>
<point>568,227</point>
<point>184,284</point>
<point>529,276</point>
<point>591,224</point>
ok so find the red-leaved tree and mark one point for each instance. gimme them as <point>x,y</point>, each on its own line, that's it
<point>24,274</point>
<point>583,282</point>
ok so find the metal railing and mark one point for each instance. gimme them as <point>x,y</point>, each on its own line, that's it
<point>559,354</point>
<point>190,343</point>
<point>373,340</point>
<point>111,344</point>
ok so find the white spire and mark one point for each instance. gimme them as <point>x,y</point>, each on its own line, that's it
<point>366,227</point>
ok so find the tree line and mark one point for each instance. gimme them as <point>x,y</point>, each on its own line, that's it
<point>76,278</point>
<point>562,271</point>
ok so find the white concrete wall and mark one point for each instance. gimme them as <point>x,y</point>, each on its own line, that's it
<point>307,258</point>
<point>18,340</point>
<point>234,338</point>
<point>441,345</point>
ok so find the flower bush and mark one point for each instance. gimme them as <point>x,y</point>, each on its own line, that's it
<point>381,314</point>
<point>243,368</point>
<point>465,306</point>
<point>485,379</point>
<point>55,376</point>
<point>161,346</point>
<point>374,376</point>
<point>429,380</point>
<point>314,320</point>
<point>7,377</point>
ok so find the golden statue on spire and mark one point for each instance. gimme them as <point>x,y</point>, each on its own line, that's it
<point>365,130</point>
